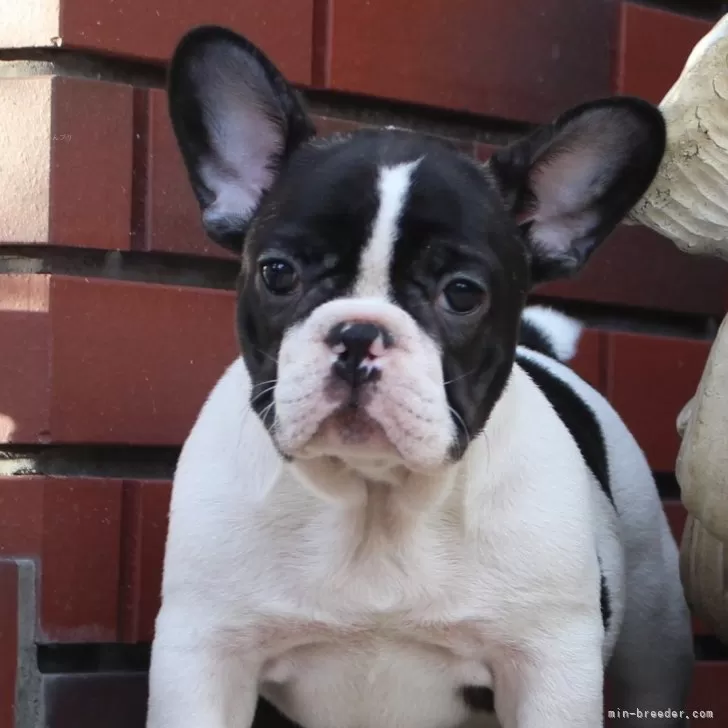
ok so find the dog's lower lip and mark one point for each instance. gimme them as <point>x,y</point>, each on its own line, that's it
<point>352,424</point>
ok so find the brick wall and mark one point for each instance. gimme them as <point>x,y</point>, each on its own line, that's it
<point>116,316</point>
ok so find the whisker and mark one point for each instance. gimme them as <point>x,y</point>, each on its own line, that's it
<point>268,356</point>
<point>488,454</point>
<point>461,421</point>
<point>264,414</point>
<point>462,376</point>
<point>262,394</point>
<point>262,384</point>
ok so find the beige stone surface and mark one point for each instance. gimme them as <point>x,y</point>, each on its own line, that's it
<point>704,571</point>
<point>25,144</point>
<point>29,23</point>
<point>702,466</point>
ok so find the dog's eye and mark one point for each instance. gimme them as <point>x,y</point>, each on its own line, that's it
<point>462,296</point>
<point>279,276</point>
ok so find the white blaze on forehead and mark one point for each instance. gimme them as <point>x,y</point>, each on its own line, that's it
<point>393,186</point>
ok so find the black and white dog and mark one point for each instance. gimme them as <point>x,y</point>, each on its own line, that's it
<point>400,499</point>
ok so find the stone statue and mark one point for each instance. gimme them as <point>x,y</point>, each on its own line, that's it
<point>688,203</point>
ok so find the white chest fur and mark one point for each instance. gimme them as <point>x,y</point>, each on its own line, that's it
<point>386,625</point>
<point>376,677</point>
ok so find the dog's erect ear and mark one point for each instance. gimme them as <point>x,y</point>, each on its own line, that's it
<point>569,184</point>
<point>236,120</point>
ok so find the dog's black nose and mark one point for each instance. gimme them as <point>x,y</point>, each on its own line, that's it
<point>357,345</point>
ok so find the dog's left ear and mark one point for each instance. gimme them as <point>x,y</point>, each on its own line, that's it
<point>237,121</point>
<point>569,184</point>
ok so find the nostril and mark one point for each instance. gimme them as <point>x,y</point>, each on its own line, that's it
<point>380,345</point>
<point>355,373</point>
<point>358,340</point>
<point>356,344</point>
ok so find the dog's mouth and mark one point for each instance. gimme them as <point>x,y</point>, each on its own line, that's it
<point>350,426</point>
<point>399,418</point>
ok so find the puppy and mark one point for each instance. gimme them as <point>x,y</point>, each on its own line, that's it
<point>389,514</point>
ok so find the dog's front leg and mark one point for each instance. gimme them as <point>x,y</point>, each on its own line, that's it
<point>201,679</point>
<point>556,682</point>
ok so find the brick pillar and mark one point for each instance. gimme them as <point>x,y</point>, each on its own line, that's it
<point>116,315</point>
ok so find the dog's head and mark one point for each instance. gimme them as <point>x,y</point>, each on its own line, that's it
<point>383,273</point>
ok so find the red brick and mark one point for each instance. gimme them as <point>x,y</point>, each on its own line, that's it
<point>24,364</point>
<point>636,267</point>
<point>21,505</point>
<point>66,145</point>
<point>79,599</point>
<point>653,47</point>
<point>77,700</point>
<point>172,222</point>
<point>146,507</point>
<point>150,30</point>
<point>8,641</point>
<point>114,362</point>
<point>650,379</point>
<point>91,154</point>
<point>155,351</point>
<point>589,360</point>
<point>72,527</point>
<point>700,629</point>
<point>709,692</point>
<point>328,125</point>
<point>493,58</point>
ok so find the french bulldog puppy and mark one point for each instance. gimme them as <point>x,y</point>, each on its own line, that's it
<point>399,508</point>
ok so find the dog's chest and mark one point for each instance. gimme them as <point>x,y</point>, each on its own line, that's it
<point>372,633</point>
<point>390,674</point>
<point>347,574</point>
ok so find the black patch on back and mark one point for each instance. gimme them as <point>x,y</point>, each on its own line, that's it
<point>604,603</point>
<point>578,417</point>
<point>584,427</point>
<point>532,337</point>
<point>478,698</point>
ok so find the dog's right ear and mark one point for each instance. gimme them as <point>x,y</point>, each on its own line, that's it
<point>236,120</point>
